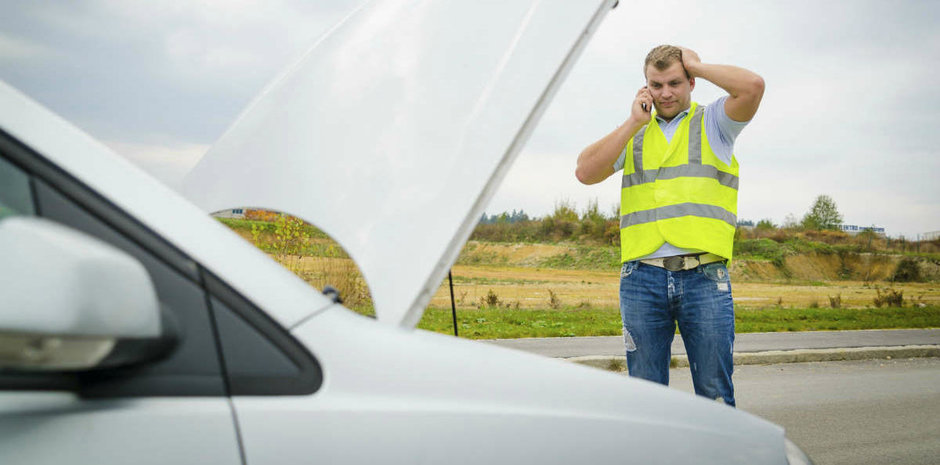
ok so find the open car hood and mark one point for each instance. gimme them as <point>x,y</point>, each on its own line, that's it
<point>392,133</point>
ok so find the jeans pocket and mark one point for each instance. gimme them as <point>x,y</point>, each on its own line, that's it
<point>627,269</point>
<point>716,272</point>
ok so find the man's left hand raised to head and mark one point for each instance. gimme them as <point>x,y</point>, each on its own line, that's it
<point>690,61</point>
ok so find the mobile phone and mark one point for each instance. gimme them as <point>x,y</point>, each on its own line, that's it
<point>643,106</point>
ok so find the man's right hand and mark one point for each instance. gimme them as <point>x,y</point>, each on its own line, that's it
<point>637,112</point>
<point>596,162</point>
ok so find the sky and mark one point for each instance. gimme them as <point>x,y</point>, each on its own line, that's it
<point>851,107</point>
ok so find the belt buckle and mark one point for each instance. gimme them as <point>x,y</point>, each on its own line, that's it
<point>674,263</point>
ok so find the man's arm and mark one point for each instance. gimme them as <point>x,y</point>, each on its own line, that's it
<point>596,162</point>
<point>745,88</point>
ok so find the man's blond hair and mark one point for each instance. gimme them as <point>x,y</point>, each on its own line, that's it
<point>662,57</point>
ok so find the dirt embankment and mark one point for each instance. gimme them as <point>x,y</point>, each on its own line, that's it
<point>829,267</point>
<point>847,266</point>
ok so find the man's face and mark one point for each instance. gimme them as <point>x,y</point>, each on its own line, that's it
<point>671,89</point>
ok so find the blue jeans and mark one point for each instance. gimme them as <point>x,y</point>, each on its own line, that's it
<point>653,300</point>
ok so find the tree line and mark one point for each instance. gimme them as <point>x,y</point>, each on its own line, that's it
<point>823,215</point>
<point>591,225</point>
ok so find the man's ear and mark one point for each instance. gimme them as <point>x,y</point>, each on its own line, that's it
<point>691,83</point>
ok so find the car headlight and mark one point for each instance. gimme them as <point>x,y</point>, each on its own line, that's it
<point>795,456</point>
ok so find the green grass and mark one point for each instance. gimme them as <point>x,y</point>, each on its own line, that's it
<point>933,257</point>
<point>835,319</point>
<point>479,281</point>
<point>509,323</point>
<point>776,252</point>
<point>239,224</point>
<point>569,322</point>
<point>475,254</point>
<point>585,257</point>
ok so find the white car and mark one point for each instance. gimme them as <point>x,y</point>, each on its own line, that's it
<point>136,329</point>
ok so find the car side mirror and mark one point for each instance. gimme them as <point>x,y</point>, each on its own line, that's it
<point>71,302</point>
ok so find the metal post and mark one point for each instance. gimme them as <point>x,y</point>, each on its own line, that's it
<point>453,306</point>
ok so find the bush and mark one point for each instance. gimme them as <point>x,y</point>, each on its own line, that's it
<point>835,302</point>
<point>520,231</point>
<point>782,235</point>
<point>593,223</point>
<point>826,236</point>
<point>890,298</point>
<point>491,300</point>
<point>908,270</point>
<point>766,249</point>
<point>563,224</point>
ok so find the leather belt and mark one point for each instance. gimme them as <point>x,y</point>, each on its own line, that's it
<point>683,262</point>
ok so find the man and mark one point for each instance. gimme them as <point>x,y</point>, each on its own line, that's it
<point>678,211</point>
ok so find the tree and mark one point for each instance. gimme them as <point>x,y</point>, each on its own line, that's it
<point>823,214</point>
<point>766,224</point>
<point>518,216</point>
<point>592,213</point>
<point>565,211</point>
<point>593,223</point>
<point>790,222</point>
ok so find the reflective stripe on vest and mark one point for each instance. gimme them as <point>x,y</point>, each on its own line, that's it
<point>675,211</point>
<point>694,169</point>
<point>681,171</point>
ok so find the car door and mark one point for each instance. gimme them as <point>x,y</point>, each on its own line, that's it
<point>174,410</point>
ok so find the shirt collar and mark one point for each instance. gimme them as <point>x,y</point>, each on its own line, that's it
<point>678,117</point>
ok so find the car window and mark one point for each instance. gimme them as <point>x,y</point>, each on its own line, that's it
<point>193,367</point>
<point>15,195</point>
<point>260,356</point>
<point>305,250</point>
<point>30,185</point>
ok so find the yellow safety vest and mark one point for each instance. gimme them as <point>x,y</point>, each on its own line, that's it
<point>677,191</point>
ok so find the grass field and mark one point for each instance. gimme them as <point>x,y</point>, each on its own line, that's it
<point>528,288</point>
<point>491,323</point>
<point>508,290</point>
<point>511,302</point>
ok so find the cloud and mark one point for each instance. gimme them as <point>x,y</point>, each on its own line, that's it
<point>169,164</point>
<point>850,107</point>
<point>13,48</point>
<point>133,71</point>
<point>539,180</point>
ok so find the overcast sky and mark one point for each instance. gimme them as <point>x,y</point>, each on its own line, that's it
<point>851,109</point>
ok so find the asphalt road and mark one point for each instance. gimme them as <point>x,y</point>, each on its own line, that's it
<point>858,412</point>
<point>744,342</point>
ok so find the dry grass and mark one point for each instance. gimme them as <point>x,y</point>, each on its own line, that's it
<point>510,272</point>
<point>530,287</point>
<point>340,273</point>
<point>852,294</point>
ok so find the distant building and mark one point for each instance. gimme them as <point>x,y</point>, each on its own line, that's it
<point>853,229</point>
<point>230,213</point>
<point>930,236</point>
<point>256,214</point>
